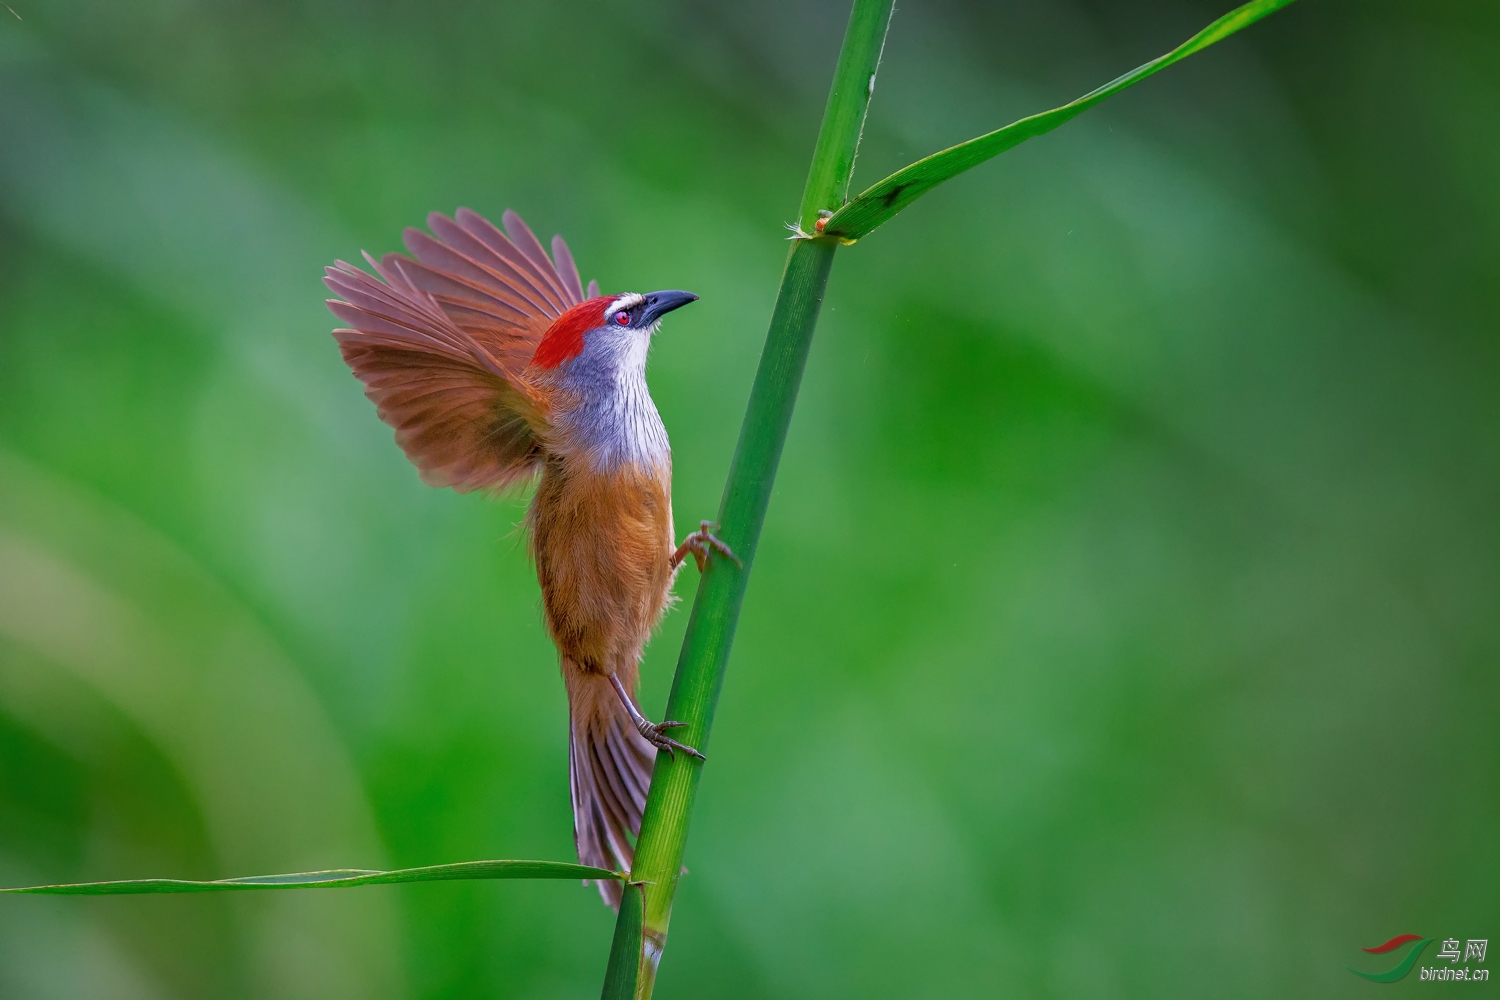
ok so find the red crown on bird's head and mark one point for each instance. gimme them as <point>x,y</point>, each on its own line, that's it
<point>563,340</point>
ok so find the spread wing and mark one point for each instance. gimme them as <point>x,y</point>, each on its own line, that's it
<point>440,342</point>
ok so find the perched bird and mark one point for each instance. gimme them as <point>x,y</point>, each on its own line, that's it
<point>494,366</point>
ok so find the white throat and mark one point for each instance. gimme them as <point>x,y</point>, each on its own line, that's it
<point>615,420</point>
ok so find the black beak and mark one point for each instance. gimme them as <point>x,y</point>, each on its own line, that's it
<point>658,304</point>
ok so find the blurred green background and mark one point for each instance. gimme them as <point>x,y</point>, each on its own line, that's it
<point>1125,623</point>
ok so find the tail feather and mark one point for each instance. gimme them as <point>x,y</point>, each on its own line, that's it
<point>609,773</point>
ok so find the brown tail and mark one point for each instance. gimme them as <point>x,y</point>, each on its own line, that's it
<point>609,771</point>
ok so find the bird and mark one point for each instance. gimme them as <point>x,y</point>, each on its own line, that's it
<point>497,368</point>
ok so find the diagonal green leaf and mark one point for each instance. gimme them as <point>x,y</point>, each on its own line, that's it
<point>338,878</point>
<point>876,205</point>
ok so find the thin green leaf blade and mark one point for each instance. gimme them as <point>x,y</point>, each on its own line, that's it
<point>338,878</point>
<point>877,204</point>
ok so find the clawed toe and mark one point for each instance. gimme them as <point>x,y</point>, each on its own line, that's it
<point>662,741</point>
<point>703,543</point>
<point>654,732</point>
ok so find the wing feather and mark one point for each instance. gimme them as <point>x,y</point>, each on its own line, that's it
<point>407,331</point>
<point>525,240</point>
<point>507,285</point>
<point>457,430</point>
<point>541,274</point>
<point>441,340</point>
<point>566,269</point>
<point>517,272</point>
<point>461,290</point>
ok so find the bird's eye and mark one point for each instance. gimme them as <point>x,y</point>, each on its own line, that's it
<point>622,318</point>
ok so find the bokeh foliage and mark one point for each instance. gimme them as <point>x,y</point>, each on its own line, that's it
<point>1124,620</point>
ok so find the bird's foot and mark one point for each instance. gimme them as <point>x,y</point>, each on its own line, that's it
<point>654,732</point>
<point>702,544</point>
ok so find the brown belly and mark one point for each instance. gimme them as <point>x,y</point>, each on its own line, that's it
<point>602,544</point>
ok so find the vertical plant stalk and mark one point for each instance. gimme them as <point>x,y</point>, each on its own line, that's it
<point>641,933</point>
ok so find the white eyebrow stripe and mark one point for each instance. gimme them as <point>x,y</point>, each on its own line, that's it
<point>628,300</point>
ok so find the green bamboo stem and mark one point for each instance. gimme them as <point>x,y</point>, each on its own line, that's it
<point>624,969</point>
<point>641,932</point>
